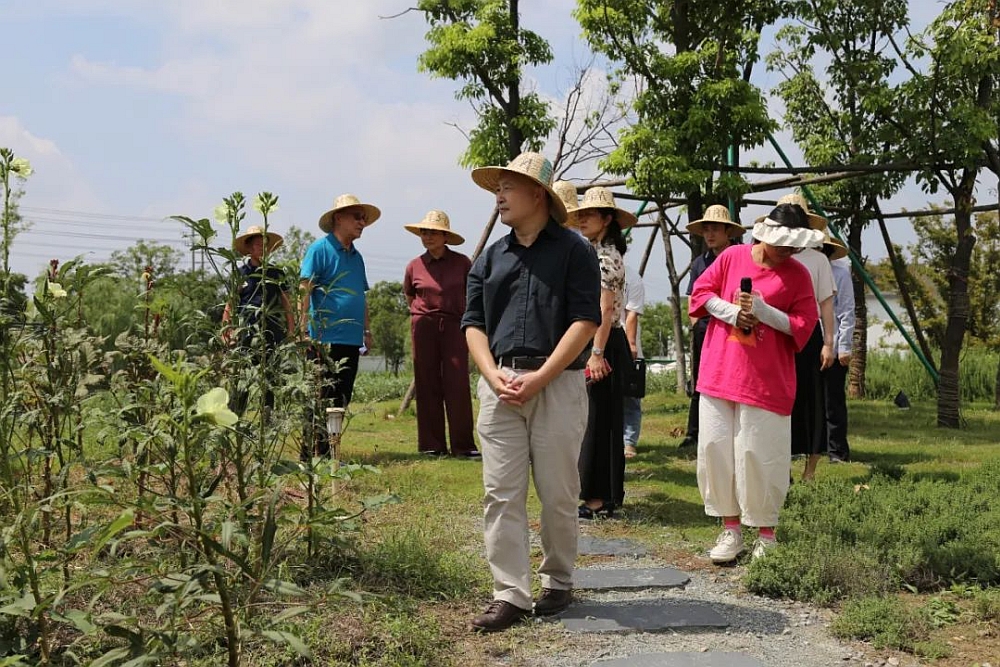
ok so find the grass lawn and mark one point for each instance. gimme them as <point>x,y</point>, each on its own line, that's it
<point>434,532</point>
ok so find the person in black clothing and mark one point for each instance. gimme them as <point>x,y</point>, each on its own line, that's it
<point>718,230</point>
<point>602,453</point>
<point>263,314</point>
<point>532,305</point>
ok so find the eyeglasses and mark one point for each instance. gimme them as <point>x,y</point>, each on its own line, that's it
<point>360,216</point>
<point>431,232</point>
<point>790,250</point>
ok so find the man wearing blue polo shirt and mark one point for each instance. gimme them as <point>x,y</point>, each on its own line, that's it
<point>333,307</point>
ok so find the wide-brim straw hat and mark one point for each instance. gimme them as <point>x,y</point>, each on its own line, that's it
<point>534,166</point>
<point>719,214</point>
<point>372,212</point>
<point>272,241</point>
<point>839,249</point>
<point>774,233</point>
<point>600,197</point>
<point>437,221</point>
<point>815,221</point>
<point>567,193</point>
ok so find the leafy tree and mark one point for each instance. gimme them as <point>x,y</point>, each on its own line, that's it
<point>948,112</point>
<point>837,117</point>
<point>482,43</point>
<point>692,62</point>
<point>134,260</point>
<point>928,276</point>
<point>390,322</point>
<point>658,330</point>
<point>292,250</point>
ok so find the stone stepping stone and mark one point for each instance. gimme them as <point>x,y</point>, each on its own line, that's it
<point>622,579</point>
<point>649,616</point>
<point>593,546</point>
<point>710,659</point>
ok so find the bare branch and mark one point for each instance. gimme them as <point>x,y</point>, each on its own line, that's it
<point>405,11</point>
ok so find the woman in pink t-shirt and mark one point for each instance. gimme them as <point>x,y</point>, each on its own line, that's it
<point>763,311</point>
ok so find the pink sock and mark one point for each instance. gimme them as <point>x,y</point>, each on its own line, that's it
<point>731,524</point>
<point>767,533</point>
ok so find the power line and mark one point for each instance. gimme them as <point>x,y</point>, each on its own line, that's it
<point>111,237</point>
<point>84,214</point>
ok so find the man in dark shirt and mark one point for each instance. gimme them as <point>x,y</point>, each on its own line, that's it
<point>263,311</point>
<point>533,304</point>
<point>718,230</point>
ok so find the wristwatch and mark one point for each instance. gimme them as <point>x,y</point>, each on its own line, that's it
<point>597,351</point>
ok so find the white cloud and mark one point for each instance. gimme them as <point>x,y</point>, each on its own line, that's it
<point>55,179</point>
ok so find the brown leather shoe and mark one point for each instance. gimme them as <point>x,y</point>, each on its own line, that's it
<point>553,601</point>
<point>500,615</point>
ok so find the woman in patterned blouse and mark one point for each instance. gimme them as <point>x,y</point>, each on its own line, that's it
<point>602,459</point>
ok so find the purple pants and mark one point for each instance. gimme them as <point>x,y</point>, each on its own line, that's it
<point>441,376</point>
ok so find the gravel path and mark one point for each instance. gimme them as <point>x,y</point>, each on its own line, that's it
<point>778,633</point>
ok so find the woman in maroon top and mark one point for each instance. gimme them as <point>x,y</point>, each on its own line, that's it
<point>434,285</point>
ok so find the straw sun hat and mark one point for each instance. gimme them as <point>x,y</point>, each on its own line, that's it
<point>601,198</point>
<point>533,165</point>
<point>839,249</point>
<point>718,214</point>
<point>372,212</point>
<point>271,240</point>
<point>437,221</point>
<point>567,192</point>
<point>815,221</point>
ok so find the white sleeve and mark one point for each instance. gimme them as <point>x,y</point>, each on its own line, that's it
<point>723,310</point>
<point>771,316</point>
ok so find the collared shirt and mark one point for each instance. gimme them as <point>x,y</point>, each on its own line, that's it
<point>337,302</point>
<point>437,285</point>
<point>635,302</point>
<point>260,298</point>
<point>843,308</point>
<point>525,298</point>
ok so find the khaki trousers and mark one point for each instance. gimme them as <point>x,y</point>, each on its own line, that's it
<point>543,435</point>
<point>744,458</point>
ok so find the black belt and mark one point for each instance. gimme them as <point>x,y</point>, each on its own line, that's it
<point>533,363</point>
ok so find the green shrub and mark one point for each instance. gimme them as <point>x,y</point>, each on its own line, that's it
<point>821,572</point>
<point>379,386</point>
<point>986,605</point>
<point>840,538</point>
<point>889,372</point>
<point>409,562</point>
<point>885,622</point>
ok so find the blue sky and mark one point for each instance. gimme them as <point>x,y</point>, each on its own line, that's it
<point>133,110</point>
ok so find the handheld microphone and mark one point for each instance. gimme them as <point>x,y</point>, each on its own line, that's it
<point>746,285</point>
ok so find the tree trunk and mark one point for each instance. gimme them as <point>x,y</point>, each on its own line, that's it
<point>679,316</point>
<point>859,343</point>
<point>949,385</point>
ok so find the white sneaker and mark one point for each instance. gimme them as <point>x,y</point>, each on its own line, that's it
<point>761,548</point>
<point>728,547</point>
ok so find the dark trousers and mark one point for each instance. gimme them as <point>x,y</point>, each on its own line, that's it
<point>602,454</point>
<point>697,341</point>
<point>441,378</point>
<point>834,380</point>
<point>338,368</point>
<point>809,410</point>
